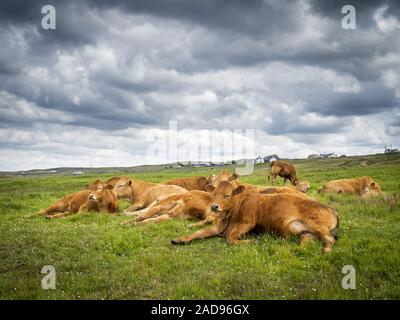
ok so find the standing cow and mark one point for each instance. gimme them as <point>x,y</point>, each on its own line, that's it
<point>285,170</point>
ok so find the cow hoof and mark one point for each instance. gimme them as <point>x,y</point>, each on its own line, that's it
<point>47,217</point>
<point>327,250</point>
<point>177,242</point>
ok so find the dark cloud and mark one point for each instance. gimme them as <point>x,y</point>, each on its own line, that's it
<point>284,68</point>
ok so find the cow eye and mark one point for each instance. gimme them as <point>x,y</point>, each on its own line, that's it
<point>227,196</point>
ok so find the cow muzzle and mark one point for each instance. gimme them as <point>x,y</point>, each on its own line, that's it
<point>215,208</point>
<point>92,197</point>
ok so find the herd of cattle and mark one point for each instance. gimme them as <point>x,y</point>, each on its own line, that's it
<point>233,208</point>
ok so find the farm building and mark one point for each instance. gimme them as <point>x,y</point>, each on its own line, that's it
<point>266,159</point>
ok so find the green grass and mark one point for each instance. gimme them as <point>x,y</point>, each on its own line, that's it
<point>95,258</point>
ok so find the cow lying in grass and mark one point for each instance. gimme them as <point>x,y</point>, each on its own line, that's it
<point>141,194</point>
<point>100,198</point>
<point>363,186</point>
<point>238,212</point>
<point>193,204</point>
<point>301,189</point>
<point>192,183</point>
<point>166,205</point>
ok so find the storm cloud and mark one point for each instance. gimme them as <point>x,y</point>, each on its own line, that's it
<point>112,72</point>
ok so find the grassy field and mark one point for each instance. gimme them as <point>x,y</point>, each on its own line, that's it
<point>96,258</point>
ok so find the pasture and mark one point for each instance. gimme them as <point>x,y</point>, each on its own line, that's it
<point>96,258</point>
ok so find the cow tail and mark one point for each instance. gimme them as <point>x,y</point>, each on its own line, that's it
<point>334,231</point>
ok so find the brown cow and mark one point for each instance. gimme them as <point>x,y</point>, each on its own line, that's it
<point>105,199</point>
<point>99,200</point>
<point>192,183</point>
<point>285,170</point>
<point>239,212</point>
<point>141,194</point>
<point>193,204</point>
<point>302,188</point>
<point>63,205</point>
<point>363,186</point>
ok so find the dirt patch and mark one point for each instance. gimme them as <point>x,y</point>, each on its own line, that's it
<point>364,163</point>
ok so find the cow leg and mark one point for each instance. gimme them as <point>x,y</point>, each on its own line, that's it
<point>201,234</point>
<point>161,218</point>
<point>156,210</point>
<point>59,215</point>
<point>83,208</point>
<point>284,181</point>
<point>135,207</point>
<point>299,229</point>
<point>306,238</point>
<point>323,233</point>
<point>273,179</point>
<point>209,219</point>
<point>238,232</point>
<point>39,213</point>
<point>327,239</point>
<point>57,207</point>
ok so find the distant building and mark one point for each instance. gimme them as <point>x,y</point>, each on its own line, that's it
<point>266,159</point>
<point>322,156</point>
<point>328,155</point>
<point>77,173</point>
<point>391,150</point>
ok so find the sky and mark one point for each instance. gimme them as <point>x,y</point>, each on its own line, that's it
<point>103,88</point>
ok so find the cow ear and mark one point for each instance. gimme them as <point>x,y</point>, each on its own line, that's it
<point>87,186</point>
<point>203,180</point>
<point>109,186</point>
<point>373,184</point>
<point>130,183</point>
<point>209,188</point>
<point>238,190</point>
<point>234,176</point>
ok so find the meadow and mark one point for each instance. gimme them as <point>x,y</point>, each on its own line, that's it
<point>96,258</point>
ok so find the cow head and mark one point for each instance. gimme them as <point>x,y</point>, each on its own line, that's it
<point>95,185</point>
<point>202,183</point>
<point>103,196</point>
<point>98,194</point>
<point>294,180</point>
<point>223,176</point>
<point>123,190</point>
<point>304,186</point>
<point>224,196</point>
<point>371,188</point>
